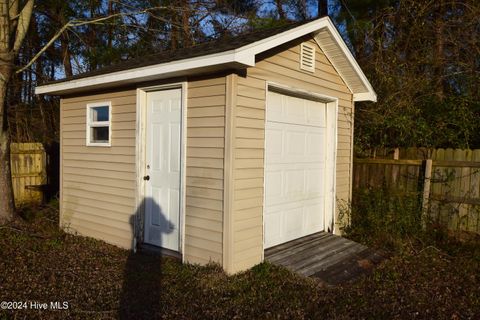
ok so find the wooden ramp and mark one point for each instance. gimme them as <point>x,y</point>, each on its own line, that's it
<point>331,258</point>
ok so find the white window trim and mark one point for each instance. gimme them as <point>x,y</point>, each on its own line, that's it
<point>93,124</point>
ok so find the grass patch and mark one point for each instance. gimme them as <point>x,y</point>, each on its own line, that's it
<point>40,263</point>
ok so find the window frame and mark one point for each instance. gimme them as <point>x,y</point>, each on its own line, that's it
<point>99,124</point>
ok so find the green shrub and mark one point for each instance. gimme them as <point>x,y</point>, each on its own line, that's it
<point>380,217</point>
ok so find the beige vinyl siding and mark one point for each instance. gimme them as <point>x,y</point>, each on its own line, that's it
<point>204,174</point>
<point>98,183</point>
<point>248,168</point>
<point>248,146</point>
<point>225,140</point>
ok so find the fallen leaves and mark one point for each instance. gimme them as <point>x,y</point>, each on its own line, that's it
<point>101,281</point>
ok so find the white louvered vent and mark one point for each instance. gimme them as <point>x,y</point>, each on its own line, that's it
<point>307,57</point>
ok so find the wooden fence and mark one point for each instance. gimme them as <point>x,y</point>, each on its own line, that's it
<point>29,173</point>
<point>449,182</point>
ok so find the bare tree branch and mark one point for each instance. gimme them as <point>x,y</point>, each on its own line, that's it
<point>23,22</point>
<point>13,9</point>
<point>79,23</point>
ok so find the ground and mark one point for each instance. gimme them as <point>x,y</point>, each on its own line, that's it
<point>39,263</point>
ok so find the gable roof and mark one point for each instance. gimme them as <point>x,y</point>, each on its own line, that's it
<point>235,52</point>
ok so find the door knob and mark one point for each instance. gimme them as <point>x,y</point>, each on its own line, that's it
<point>146,178</point>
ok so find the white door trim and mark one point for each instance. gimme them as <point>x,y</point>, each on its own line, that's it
<point>332,125</point>
<point>140,138</point>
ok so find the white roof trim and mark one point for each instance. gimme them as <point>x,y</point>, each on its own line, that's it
<point>147,73</point>
<point>349,64</point>
<point>365,96</point>
<point>242,57</point>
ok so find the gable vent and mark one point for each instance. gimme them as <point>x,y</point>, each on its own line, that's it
<point>307,57</point>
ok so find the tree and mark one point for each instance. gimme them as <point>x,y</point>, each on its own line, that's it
<point>322,8</point>
<point>13,29</point>
<point>422,58</point>
<point>14,24</point>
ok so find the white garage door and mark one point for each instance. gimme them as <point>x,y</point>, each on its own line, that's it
<point>295,168</point>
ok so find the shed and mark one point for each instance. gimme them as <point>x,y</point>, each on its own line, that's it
<point>215,152</point>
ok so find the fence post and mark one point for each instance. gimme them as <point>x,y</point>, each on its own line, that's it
<point>426,190</point>
<point>396,154</point>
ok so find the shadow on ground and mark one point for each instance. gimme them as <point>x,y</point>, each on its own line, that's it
<point>142,288</point>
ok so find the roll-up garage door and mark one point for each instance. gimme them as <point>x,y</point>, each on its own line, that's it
<point>295,168</point>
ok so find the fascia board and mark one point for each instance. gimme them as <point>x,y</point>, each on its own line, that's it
<point>372,96</point>
<point>163,70</point>
<point>365,96</point>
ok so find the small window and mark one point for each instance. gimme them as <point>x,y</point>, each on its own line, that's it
<point>307,57</point>
<point>99,124</point>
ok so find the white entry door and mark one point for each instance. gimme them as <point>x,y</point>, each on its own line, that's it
<point>295,168</point>
<point>162,180</point>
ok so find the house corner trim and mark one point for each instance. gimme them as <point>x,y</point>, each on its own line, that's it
<point>228,188</point>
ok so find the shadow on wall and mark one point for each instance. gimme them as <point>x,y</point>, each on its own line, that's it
<point>142,289</point>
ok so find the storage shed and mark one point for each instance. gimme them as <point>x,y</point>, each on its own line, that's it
<point>215,152</point>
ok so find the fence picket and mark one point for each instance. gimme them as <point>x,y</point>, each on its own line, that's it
<point>28,163</point>
<point>454,186</point>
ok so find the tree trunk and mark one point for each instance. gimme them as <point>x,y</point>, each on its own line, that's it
<point>322,8</point>
<point>175,21</point>
<point>7,207</point>
<point>66,57</point>
<point>10,44</point>
<point>6,61</point>
<point>302,9</point>
<point>281,12</point>
<point>187,40</point>
<point>438,59</point>
<point>111,26</point>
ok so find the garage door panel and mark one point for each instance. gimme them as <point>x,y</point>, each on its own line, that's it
<point>316,116</point>
<point>293,226</point>
<point>295,162</point>
<point>313,220</point>
<point>289,184</point>
<point>296,165</point>
<point>273,227</point>
<point>275,179</point>
<point>293,220</point>
<point>275,107</point>
<point>282,222</point>
<point>314,184</point>
<point>293,110</point>
<point>275,209</point>
<point>313,140</point>
<point>274,136</point>
<point>287,143</point>
<point>294,183</point>
<point>294,143</point>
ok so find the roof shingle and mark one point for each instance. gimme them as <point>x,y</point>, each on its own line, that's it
<point>211,47</point>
